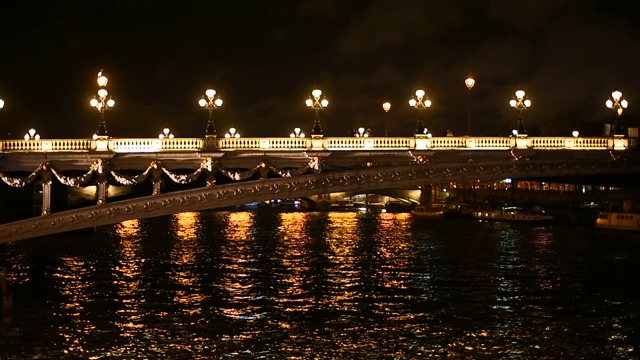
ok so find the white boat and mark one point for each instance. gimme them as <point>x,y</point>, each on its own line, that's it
<point>627,219</point>
<point>512,213</point>
<point>618,221</point>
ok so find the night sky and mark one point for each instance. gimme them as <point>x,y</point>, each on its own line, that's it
<point>265,57</point>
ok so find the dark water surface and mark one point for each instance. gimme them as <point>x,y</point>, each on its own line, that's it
<point>322,285</point>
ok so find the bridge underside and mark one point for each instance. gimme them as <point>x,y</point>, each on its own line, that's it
<point>368,177</point>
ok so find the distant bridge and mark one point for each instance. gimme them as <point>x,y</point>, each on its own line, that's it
<point>237,171</point>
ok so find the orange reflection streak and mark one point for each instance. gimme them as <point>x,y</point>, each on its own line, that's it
<point>239,269</point>
<point>128,276</point>
<point>342,239</point>
<point>186,225</point>
<point>292,231</point>
<point>342,234</point>
<point>239,225</point>
<point>128,228</point>
<point>76,294</point>
<point>397,254</point>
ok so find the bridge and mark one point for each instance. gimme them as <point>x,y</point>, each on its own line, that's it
<point>192,174</point>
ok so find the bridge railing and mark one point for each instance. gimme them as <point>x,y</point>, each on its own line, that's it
<point>418,142</point>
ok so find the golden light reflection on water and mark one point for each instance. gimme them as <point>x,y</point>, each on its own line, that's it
<point>184,255</point>
<point>239,225</point>
<point>240,271</point>
<point>76,293</point>
<point>186,225</point>
<point>293,231</point>
<point>128,278</point>
<point>342,234</point>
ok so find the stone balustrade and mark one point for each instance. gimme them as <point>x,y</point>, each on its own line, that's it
<point>418,142</point>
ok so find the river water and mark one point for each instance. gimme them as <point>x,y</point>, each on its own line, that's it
<point>266,284</point>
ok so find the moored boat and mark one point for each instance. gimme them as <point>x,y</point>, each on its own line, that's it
<point>346,204</point>
<point>430,211</point>
<point>512,213</point>
<point>458,210</point>
<point>627,219</point>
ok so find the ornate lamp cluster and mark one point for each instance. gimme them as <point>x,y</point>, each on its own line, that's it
<point>520,103</point>
<point>362,132</point>
<point>232,134</point>
<point>420,102</point>
<point>32,134</point>
<point>166,134</point>
<point>102,103</point>
<point>316,103</point>
<point>617,103</point>
<point>210,101</point>
<point>297,133</point>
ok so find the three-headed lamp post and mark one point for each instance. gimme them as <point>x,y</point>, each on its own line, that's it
<point>420,102</point>
<point>317,103</point>
<point>296,133</point>
<point>520,103</point>
<point>617,103</point>
<point>210,101</point>
<point>102,103</point>
<point>166,134</point>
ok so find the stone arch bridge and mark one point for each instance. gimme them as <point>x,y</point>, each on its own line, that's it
<point>258,176</point>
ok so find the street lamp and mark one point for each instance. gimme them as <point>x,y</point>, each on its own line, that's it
<point>31,135</point>
<point>166,134</point>
<point>1,103</point>
<point>362,132</point>
<point>618,104</point>
<point>296,133</point>
<point>520,103</point>
<point>419,102</point>
<point>101,103</point>
<point>386,106</point>
<point>469,82</point>
<point>314,102</point>
<point>233,133</point>
<point>210,101</point>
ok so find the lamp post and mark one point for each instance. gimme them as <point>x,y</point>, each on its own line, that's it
<point>101,103</point>
<point>362,132</point>
<point>386,106</point>
<point>520,103</point>
<point>31,135</point>
<point>420,102</point>
<point>316,103</point>
<point>210,101</point>
<point>618,104</point>
<point>233,133</point>
<point>297,133</point>
<point>166,134</point>
<point>469,82</point>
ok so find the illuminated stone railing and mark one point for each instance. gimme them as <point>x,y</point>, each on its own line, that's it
<point>47,145</point>
<point>418,142</point>
<point>154,145</point>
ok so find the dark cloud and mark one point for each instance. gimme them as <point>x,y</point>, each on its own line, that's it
<point>264,58</point>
